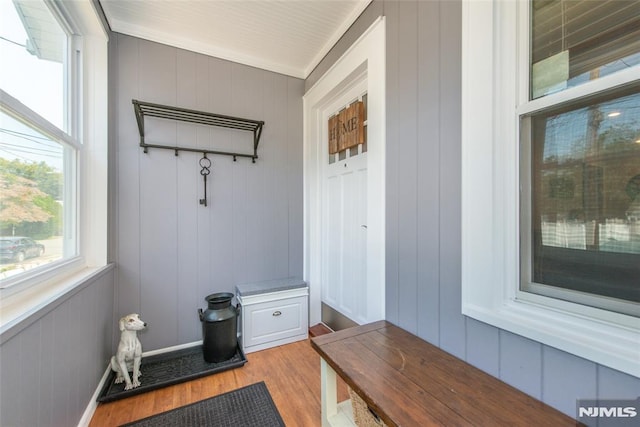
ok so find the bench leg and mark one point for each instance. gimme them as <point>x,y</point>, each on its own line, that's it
<point>328,392</point>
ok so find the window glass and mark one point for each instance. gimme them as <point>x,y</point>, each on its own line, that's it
<point>33,50</point>
<point>37,172</point>
<point>33,195</point>
<point>573,41</point>
<point>584,205</point>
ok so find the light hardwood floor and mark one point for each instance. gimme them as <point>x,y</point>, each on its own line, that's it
<point>291,373</point>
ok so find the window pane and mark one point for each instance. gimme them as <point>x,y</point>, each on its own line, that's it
<point>34,192</point>
<point>584,207</point>
<point>574,41</point>
<point>32,48</point>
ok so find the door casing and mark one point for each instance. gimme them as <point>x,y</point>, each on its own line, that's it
<point>365,59</point>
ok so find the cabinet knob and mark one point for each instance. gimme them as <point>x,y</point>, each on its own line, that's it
<point>276,313</point>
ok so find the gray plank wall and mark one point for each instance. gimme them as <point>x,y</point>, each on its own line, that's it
<point>52,363</point>
<point>171,251</point>
<point>423,211</point>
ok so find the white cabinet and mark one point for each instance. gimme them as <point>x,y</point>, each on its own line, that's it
<point>273,313</point>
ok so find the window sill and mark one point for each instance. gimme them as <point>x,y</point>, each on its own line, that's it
<point>606,343</point>
<point>20,309</point>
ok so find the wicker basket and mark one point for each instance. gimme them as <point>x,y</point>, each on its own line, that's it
<point>362,415</point>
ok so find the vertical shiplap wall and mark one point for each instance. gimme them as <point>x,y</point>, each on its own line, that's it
<point>423,290</point>
<point>51,367</point>
<point>171,251</point>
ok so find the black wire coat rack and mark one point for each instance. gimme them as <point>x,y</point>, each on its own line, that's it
<point>147,109</point>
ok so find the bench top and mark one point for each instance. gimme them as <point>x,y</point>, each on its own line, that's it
<point>409,382</point>
<point>258,288</point>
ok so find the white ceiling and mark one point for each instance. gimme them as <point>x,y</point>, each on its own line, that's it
<point>285,36</point>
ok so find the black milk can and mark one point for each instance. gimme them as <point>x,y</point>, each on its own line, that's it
<point>219,328</point>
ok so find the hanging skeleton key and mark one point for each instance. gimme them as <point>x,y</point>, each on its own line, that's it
<point>205,164</point>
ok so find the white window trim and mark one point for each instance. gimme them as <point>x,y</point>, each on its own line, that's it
<point>46,285</point>
<point>491,59</point>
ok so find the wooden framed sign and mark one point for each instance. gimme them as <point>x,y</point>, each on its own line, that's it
<point>346,129</point>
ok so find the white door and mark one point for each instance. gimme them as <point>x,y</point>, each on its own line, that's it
<point>344,229</point>
<point>344,195</point>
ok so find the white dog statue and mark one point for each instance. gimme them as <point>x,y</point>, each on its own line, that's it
<point>129,352</point>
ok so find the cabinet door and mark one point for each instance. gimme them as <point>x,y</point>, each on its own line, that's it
<point>274,320</point>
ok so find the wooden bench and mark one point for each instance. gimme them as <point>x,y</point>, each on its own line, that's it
<point>409,382</point>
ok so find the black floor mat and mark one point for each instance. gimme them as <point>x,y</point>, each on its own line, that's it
<point>250,406</point>
<point>166,369</point>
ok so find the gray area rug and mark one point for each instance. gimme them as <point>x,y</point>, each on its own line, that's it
<point>167,369</point>
<point>250,406</point>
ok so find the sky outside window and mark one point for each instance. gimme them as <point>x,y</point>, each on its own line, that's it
<point>35,82</point>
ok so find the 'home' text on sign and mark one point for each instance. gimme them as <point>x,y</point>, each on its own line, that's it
<point>346,129</point>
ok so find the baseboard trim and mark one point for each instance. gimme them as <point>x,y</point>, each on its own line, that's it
<point>93,403</point>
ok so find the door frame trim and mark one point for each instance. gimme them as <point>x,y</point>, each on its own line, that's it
<point>368,55</point>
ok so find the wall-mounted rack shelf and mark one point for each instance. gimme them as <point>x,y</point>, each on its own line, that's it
<point>147,109</point>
